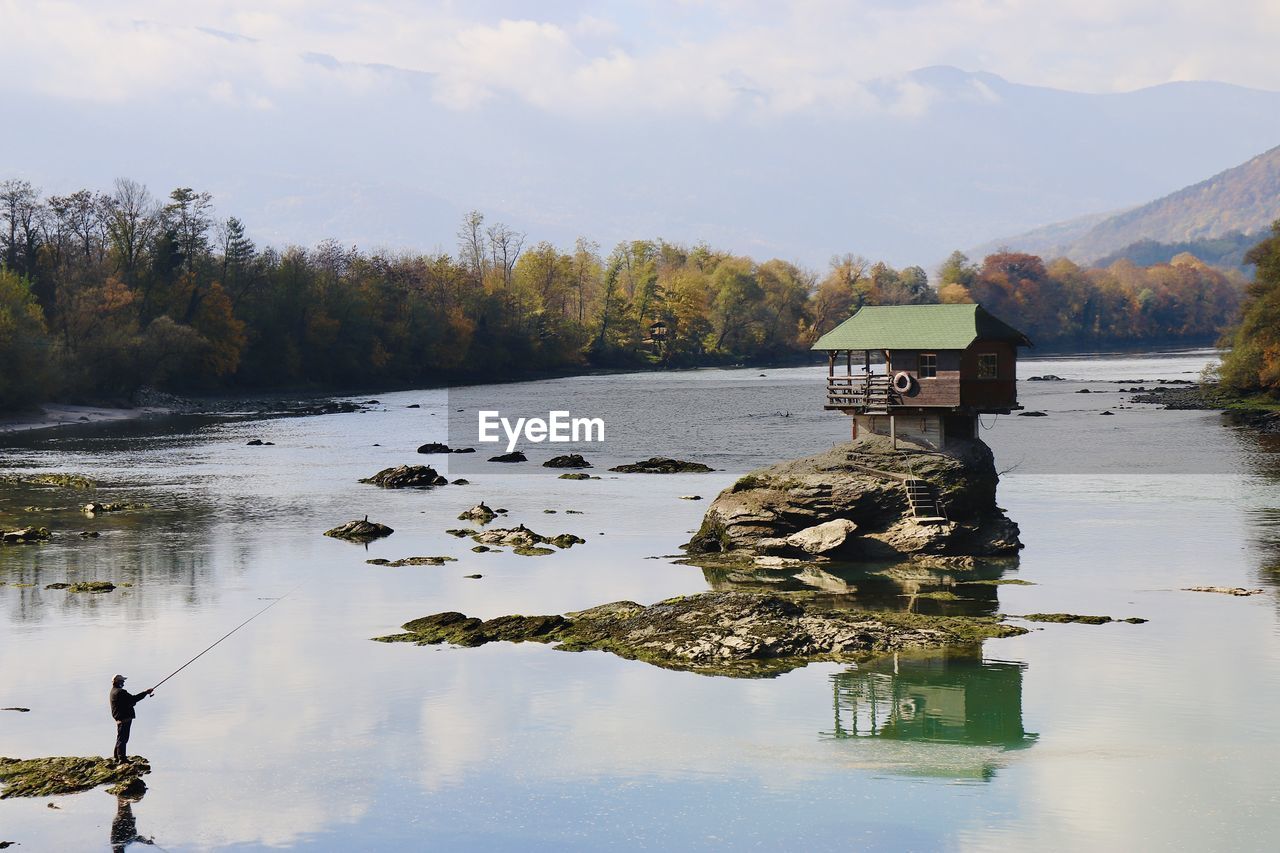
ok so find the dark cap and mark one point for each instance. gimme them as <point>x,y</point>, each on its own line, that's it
<point>117,681</point>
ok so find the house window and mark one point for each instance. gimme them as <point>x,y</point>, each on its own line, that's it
<point>928,367</point>
<point>988,365</point>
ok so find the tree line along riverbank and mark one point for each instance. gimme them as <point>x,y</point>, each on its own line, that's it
<point>102,293</point>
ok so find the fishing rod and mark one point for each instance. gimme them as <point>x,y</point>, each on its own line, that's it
<point>224,636</point>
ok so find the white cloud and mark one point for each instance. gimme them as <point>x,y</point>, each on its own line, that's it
<point>678,57</point>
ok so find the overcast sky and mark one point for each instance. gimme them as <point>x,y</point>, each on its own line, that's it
<point>797,129</point>
<point>684,56</point>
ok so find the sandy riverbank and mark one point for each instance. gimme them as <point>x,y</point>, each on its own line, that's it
<point>56,414</point>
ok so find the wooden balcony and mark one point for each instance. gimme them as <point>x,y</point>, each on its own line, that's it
<point>872,393</point>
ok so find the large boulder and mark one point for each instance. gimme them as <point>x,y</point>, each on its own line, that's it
<point>850,502</point>
<point>826,538</point>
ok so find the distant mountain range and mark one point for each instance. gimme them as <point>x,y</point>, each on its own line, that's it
<point>1216,220</point>
<point>916,166</point>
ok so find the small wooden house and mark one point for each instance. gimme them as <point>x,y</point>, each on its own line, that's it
<point>943,366</point>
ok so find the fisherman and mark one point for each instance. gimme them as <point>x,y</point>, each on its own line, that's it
<point>122,702</point>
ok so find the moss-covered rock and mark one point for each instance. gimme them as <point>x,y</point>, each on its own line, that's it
<point>735,634</point>
<point>65,481</point>
<point>91,586</point>
<point>46,777</point>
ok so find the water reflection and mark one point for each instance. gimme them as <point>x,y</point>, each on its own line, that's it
<point>967,588</point>
<point>124,826</point>
<point>950,698</point>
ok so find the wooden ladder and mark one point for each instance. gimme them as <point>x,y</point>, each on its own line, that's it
<point>924,503</point>
<point>876,394</point>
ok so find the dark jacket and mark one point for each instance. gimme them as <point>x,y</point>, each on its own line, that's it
<point>122,702</point>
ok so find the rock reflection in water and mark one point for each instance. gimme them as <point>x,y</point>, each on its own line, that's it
<point>930,588</point>
<point>954,698</point>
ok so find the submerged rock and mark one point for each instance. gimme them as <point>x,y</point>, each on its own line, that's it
<point>66,481</point>
<point>513,456</point>
<point>1067,618</point>
<point>1223,590</point>
<point>662,465</point>
<point>725,633</point>
<point>23,535</point>
<point>1032,414</point>
<point>480,513</point>
<point>360,530</point>
<point>96,507</point>
<point>412,561</point>
<point>46,777</point>
<point>84,586</point>
<point>407,477</point>
<point>577,476</point>
<point>569,460</point>
<point>861,487</point>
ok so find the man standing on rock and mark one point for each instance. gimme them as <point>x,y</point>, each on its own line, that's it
<point>122,702</point>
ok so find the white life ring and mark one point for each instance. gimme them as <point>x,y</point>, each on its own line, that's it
<point>903,382</point>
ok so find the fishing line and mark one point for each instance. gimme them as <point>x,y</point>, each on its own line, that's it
<point>228,634</point>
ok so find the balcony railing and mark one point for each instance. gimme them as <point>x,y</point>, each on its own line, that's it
<point>872,392</point>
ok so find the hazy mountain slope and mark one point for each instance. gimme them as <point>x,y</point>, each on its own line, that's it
<point>1244,199</point>
<point>935,160</point>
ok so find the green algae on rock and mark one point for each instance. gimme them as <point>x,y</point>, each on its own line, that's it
<point>45,777</point>
<point>715,633</point>
<point>66,481</point>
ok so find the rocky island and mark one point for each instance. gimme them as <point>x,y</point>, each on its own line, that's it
<point>864,501</point>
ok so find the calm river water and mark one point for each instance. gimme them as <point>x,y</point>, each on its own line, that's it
<point>300,732</point>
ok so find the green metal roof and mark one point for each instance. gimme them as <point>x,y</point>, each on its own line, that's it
<point>876,327</point>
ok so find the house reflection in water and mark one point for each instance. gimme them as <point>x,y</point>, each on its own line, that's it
<point>954,698</point>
